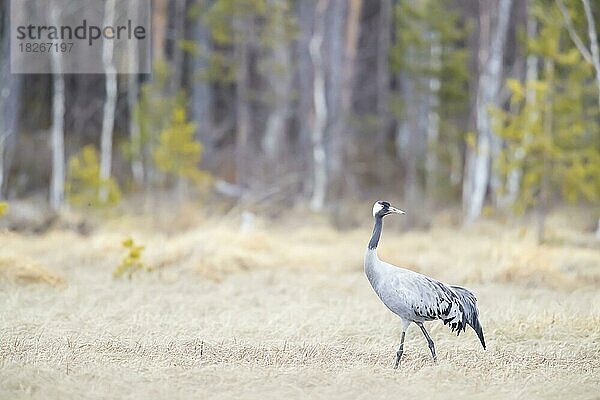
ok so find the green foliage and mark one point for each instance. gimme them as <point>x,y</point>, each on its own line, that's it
<point>178,153</point>
<point>132,262</point>
<point>3,208</point>
<point>167,139</point>
<point>225,20</point>
<point>551,133</point>
<point>166,144</point>
<point>233,21</point>
<point>430,45</point>
<point>221,15</point>
<point>84,184</point>
<point>416,27</point>
<point>152,114</point>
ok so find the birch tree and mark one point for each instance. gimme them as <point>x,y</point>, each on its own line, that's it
<point>10,98</point>
<point>133,94</point>
<point>110,102</point>
<point>202,92</point>
<point>242,26</point>
<point>433,103</point>
<point>343,38</point>
<point>304,110</point>
<point>279,70</point>
<point>409,141</point>
<point>591,54</point>
<point>383,69</point>
<point>593,35</point>
<point>513,181</point>
<point>492,39</point>
<point>335,70</point>
<point>57,182</point>
<point>319,191</point>
<point>178,36</point>
<point>556,133</point>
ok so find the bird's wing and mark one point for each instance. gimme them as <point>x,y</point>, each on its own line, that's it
<point>431,299</point>
<point>428,299</point>
<point>436,300</point>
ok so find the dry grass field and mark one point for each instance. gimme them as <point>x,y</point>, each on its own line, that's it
<point>286,312</point>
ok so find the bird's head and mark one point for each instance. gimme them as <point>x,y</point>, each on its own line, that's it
<point>383,208</point>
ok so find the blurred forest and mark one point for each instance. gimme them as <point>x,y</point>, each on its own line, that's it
<point>493,105</point>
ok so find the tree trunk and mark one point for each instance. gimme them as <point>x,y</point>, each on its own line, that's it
<point>202,94</point>
<point>176,68</point>
<point>544,194</point>
<point>593,54</point>
<point>179,35</point>
<point>593,35</point>
<point>159,29</point>
<point>274,140</point>
<point>133,92</point>
<point>418,126</point>
<point>305,114</point>
<point>57,183</point>
<point>243,117</point>
<point>340,133</point>
<point>320,109</point>
<point>335,72</point>
<point>159,32</point>
<point>108,119</point>
<point>491,53</point>
<point>433,117</point>
<point>408,144</point>
<point>383,70</point>
<point>350,50</point>
<point>137,164</point>
<point>10,99</point>
<point>513,184</point>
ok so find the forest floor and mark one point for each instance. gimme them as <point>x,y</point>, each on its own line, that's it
<point>286,312</point>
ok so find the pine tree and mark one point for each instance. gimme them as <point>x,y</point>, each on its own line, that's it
<point>554,138</point>
<point>432,65</point>
<point>85,185</point>
<point>178,153</point>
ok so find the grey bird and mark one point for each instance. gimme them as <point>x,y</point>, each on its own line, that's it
<point>415,297</point>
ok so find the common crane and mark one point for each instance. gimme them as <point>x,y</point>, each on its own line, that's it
<point>415,297</point>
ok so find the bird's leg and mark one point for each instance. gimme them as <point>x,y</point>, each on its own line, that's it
<point>429,341</point>
<point>400,350</point>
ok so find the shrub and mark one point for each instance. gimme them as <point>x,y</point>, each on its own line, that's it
<point>84,183</point>
<point>132,262</point>
<point>178,153</point>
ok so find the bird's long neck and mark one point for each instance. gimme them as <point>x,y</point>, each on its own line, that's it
<point>376,233</point>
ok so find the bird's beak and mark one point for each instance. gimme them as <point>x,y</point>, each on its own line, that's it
<point>396,210</point>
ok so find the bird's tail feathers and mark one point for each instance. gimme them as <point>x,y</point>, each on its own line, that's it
<point>469,305</point>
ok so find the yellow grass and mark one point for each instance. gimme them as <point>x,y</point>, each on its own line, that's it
<point>284,310</point>
<point>23,270</point>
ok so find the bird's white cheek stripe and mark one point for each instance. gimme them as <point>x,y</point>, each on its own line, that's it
<point>376,208</point>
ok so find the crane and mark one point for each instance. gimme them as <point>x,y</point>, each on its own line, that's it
<point>416,297</point>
